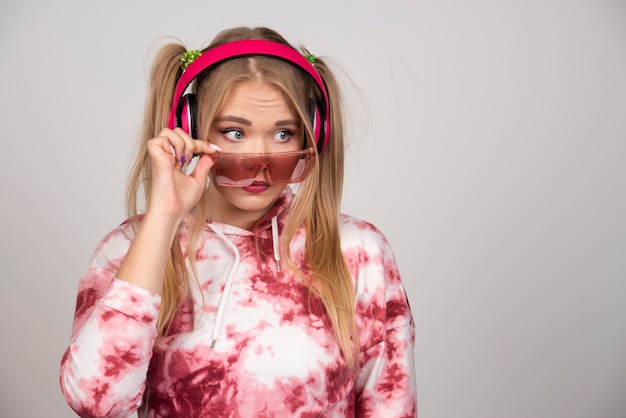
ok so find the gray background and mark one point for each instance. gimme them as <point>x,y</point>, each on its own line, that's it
<point>488,142</point>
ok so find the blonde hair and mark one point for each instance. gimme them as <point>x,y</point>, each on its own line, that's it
<point>316,204</point>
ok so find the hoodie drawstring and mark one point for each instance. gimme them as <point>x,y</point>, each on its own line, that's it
<point>219,317</point>
<point>275,242</point>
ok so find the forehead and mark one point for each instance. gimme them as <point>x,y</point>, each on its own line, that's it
<point>257,96</point>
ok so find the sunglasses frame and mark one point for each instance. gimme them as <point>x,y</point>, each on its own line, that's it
<point>227,163</point>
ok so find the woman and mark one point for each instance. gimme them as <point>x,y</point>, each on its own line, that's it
<point>241,291</point>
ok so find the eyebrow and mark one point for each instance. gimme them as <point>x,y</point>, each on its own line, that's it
<point>286,122</point>
<point>233,119</point>
<point>243,121</point>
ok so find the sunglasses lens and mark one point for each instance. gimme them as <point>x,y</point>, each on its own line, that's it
<point>240,170</point>
<point>284,169</point>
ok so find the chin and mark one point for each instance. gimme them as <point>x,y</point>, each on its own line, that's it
<point>251,202</point>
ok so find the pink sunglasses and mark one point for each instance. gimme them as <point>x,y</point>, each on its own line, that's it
<point>240,170</point>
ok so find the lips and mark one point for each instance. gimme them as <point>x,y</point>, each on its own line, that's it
<point>257,187</point>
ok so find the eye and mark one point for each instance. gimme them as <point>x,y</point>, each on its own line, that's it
<point>235,135</point>
<point>283,136</point>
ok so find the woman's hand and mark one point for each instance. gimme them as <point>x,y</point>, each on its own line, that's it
<point>173,193</point>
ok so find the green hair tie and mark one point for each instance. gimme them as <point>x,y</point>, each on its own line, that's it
<point>311,58</point>
<point>189,57</point>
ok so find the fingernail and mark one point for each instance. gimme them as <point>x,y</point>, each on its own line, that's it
<point>172,151</point>
<point>215,147</point>
<point>182,159</point>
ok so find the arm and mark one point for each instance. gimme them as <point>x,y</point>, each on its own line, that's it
<point>173,195</point>
<point>387,377</point>
<point>386,382</point>
<point>103,371</point>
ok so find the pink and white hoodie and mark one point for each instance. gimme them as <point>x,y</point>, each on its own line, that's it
<point>252,342</point>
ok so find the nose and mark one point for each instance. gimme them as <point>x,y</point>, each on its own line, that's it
<point>263,171</point>
<point>258,147</point>
<point>253,144</point>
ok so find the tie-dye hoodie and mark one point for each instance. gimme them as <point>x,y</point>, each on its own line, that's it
<point>252,342</point>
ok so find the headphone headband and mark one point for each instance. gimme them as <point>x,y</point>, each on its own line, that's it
<point>246,48</point>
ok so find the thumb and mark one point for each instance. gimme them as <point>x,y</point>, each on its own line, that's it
<point>201,170</point>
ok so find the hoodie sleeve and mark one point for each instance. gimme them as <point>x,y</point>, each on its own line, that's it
<point>387,379</point>
<point>386,382</point>
<point>103,370</point>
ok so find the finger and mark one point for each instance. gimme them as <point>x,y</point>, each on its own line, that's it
<point>176,142</point>
<point>160,149</point>
<point>205,147</point>
<point>171,143</point>
<point>186,151</point>
<point>202,168</point>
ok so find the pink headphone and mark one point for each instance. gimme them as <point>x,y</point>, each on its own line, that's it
<point>184,109</point>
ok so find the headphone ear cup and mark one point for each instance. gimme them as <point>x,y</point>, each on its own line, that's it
<point>318,125</point>
<point>188,113</point>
